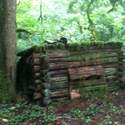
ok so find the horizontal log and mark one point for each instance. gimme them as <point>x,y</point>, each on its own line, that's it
<point>57,53</point>
<point>37,74</point>
<point>65,53</point>
<point>59,78</point>
<point>84,72</point>
<point>58,72</point>
<point>37,95</point>
<point>110,77</point>
<point>36,55</point>
<point>94,60</point>
<point>82,56</point>
<point>58,75</point>
<point>64,65</point>
<point>37,81</point>
<point>84,83</point>
<point>59,85</point>
<point>113,65</point>
<point>59,93</point>
<point>36,61</point>
<point>60,66</point>
<point>56,87</point>
<point>59,96</point>
<point>60,99</point>
<point>36,68</point>
<point>109,71</point>
<point>97,52</point>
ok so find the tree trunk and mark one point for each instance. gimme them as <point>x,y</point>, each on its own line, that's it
<point>7,49</point>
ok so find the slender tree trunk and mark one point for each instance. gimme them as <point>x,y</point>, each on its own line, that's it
<point>7,49</point>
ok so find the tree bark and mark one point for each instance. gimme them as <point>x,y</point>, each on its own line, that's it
<point>7,49</point>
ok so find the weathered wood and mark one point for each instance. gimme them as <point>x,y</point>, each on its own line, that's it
<point>58,72</point>
<point>59,85</point>
<point>36,55</point>
<point>84,83</point>
<point>37,81</point>
<point>59,78</point>
<point>62,70</point>
<point>109,71</point>
<point>65,53</point>
<point>36,61</point>
<point>64,65</point>
<point>110,77</point>
<point>81,67</point>
<point>37,95</point>
<point>36,68</point>
<point>84,72</point>
<point>57,53</point>
<point>59,93</point>
<point>114,65</point>
<point>60,99</point>
<point>81,56</point>
<point>98,53</point>
<point>37,74</point>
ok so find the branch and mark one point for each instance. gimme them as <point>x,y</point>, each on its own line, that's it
<point>80,27</point>
<point>41,13</point>
<point>18,2</point>
<point>23,30</point>
<point>112,9</point>
<point>91,24</point>
<point>113,3</point>
<point>88,13</point>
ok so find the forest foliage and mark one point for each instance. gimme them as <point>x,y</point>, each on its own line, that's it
<point>77,20</point>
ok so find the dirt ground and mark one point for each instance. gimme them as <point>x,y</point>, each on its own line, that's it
<point>112,110</point>
<point>107,111</point>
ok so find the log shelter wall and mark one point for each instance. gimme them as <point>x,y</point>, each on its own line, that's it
<point>61,74</point>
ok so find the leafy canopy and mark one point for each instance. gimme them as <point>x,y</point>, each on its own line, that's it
<point>78,20</point>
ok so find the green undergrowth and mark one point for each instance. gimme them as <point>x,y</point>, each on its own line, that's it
<point>86,114</point>
<point>79,46</point>
<point>21,112</point>
<point>108,109</point>
<point>15,114</point>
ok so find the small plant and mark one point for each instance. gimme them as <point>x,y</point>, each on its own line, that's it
<point>48,118</point>
<point>85,115</point>
<point>76,113</point>
<point>106,121</point>
<point>21,112</point>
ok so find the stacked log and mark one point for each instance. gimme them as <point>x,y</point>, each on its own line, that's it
<point>36,64</point>
<point>76,70</point>
<point>58,76</point>
<point>63,71</point>
<point>41,77</point>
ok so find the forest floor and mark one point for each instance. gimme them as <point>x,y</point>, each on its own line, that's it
<point>108,111</point>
